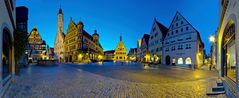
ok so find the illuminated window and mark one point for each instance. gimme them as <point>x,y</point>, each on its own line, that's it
<point>188,60</point>
<point>180,60</point>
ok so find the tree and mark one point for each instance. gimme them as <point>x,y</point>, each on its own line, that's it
<point>20,43</point>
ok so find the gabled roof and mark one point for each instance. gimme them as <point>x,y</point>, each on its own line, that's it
<point>183,18</point>
<point>177,13</point>
<point>87,35</point>
<point>110,51</point>
<point>162,28</point>
<point>146,37</point>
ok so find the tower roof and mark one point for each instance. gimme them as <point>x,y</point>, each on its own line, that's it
<point>95,33</point>
<point>60,10</point>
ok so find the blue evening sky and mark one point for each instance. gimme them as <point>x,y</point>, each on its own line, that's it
<point>130,18</point>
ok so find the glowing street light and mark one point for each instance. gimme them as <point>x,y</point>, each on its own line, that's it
<point>212,39</point>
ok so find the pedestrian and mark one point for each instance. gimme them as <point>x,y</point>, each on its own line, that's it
<point>210,66</point>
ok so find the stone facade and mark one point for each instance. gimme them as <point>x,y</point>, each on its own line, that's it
<point>227,45</point>
<point>157,35</point>
<point>120,52</point>
<point>80,46</point>
<point>59,41</point>
<point>7,27</point>
<point>182,44</point>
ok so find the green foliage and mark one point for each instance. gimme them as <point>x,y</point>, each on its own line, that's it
<point>20,43</point>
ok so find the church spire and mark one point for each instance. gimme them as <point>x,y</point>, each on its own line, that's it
<point>60,21</point>
<point>60,10</point>
<point>120,38</point>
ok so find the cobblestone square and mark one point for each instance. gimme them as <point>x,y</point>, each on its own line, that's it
<point>111,80</point>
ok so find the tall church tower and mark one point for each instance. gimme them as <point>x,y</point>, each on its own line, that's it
<point>59,41</point>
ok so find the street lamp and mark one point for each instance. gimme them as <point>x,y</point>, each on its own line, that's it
<point>212,39</point>
<point>213,55</point>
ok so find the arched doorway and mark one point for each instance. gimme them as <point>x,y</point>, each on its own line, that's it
<point>6,53</point>
<point>180,60</point>
<point>188,60</point>
<point>229,51</point>
<point>167,60</point>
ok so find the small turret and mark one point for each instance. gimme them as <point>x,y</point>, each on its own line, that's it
<point>95,37</point>
<point>80,25</point>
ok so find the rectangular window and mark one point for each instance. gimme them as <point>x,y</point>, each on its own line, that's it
<point>181,22</point>
<point>180,47</point>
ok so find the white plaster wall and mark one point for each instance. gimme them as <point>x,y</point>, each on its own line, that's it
<point>152,42</point>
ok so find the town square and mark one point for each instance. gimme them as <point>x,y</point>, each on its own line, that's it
<point>119,49</point>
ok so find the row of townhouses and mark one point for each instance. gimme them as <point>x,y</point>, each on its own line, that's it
<point>179,44</point>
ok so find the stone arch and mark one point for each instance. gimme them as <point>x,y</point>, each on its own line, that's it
<point>6,52</point>
<point>167,60</point>
<point>228,47</point>
<point>221,52</point>
<point>180,60</point>
<point>188,60</point>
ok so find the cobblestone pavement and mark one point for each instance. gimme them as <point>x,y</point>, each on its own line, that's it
<point>111,80</point>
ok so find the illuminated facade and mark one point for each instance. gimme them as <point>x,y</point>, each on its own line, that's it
<point>109,55</point>
<point>157,35</point>
<point>182,44</point>
<point>59,41</point>
<point>144,54</point>
<point>120,52</point>
<point>132,55</point>
<point>227,45</point>
<point>80,46</point>
<point>7,26</point>
<point>37,47</point>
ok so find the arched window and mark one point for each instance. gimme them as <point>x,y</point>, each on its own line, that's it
<point>188,60</point>
<point>180,60</point>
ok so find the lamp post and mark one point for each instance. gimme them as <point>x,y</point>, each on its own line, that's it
<point>213,58</point>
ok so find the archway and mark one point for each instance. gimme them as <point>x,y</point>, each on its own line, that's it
<point>188,60</point>
<point>180,60</point>
<point>229,51</point>
<point>167,60</point>
<point>6,53</point>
